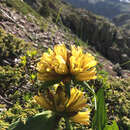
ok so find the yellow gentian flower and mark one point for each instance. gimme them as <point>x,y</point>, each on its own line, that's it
<point>57,101</point>
<point>62,63</point>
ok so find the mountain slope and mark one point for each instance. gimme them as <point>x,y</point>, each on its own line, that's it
<point>98,31</point>
<point>17,72</point>
<point>107,8</point>
<point>123,20</point>
<point>115,10</point>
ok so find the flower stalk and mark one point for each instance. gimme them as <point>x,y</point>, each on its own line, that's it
<point>68,124</point>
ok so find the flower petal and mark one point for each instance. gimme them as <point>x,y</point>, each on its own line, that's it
<point>81,117</point>
<point>88,75</point>
<point>77,101</point>
<point>60,65</point>
<point>42,102</point>
<point>61,50</point>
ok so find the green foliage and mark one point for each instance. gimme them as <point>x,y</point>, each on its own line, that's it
<point>28,109</point>
<point>102,78</point>
<point>18,125</point>
<point>9,76</point>
<point>10,46</point>
<point>68,124</point>
<point>45,120</point>
<point>13,72</point>
<point>23,60</point>
<point>14,75</point>
<point>58,16</point>
<point>114,126</point>
<point>31,53</point>
<point>118,94</point>
<point>100,117</point>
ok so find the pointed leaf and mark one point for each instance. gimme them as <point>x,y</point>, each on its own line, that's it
<point>100,117</point>
<point>114,126</point>
<point>16,125</point>
<point>42,121</point>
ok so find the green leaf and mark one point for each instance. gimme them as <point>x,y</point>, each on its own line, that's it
<point>58,16</point>
<point>100,117</point>
<point>16,125</point>
<point>114,126</point>
<point>42,121</point>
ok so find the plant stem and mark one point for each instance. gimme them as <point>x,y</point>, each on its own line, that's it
<point>93,92</point>
<point>68,125</point>
<point>57,122</point>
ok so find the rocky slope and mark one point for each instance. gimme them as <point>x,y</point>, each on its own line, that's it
<point>108,39</point>
<point>116,10</point>
<point>100,33</point>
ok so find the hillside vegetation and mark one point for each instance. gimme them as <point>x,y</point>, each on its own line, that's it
<point>25,34</point>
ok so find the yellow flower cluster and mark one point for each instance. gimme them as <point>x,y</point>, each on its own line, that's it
<point>59,102</point>
<point>62,63</point>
